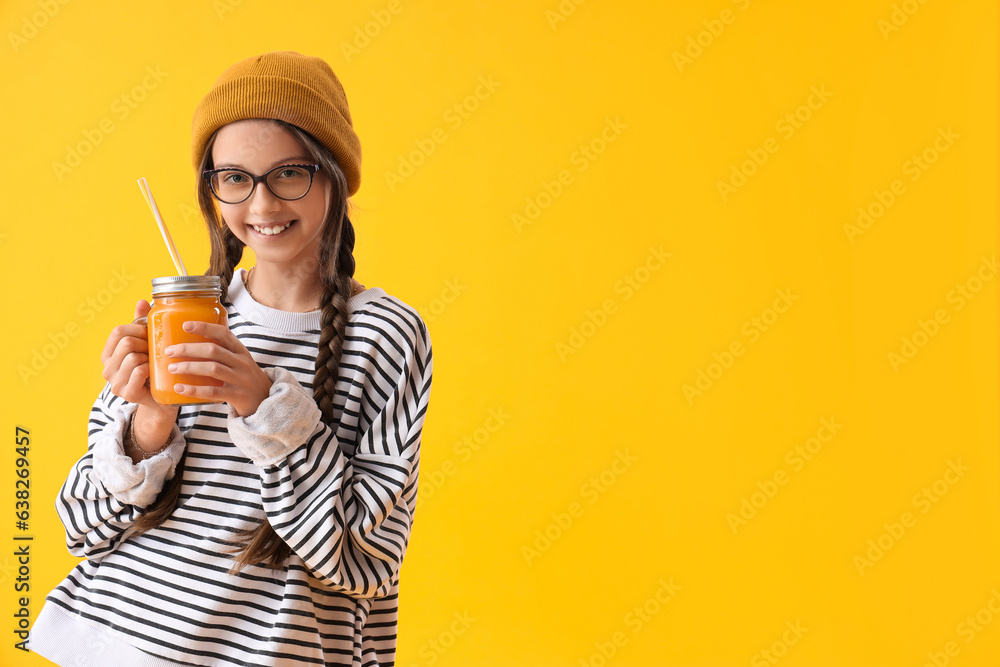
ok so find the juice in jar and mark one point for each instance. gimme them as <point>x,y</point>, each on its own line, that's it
<point>176,300</point>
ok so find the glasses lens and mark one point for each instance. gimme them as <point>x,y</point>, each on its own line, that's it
<point>290,182</point>
<point>231,186</point>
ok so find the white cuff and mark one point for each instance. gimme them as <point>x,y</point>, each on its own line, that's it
<point>283,421</point>
<point>132,483</point>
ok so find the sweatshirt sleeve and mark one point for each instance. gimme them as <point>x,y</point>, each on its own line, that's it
<point>105,492</point>
<point>347,518</point>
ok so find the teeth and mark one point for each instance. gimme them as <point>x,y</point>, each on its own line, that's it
<point>271,231</point>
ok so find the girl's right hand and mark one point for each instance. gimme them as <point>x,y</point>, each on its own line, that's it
<point>126,361</point>
<point>126,368</point>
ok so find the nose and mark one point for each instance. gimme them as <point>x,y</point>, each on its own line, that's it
<point>262,200</point>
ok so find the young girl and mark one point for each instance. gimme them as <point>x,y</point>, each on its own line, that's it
<point>267,527</point>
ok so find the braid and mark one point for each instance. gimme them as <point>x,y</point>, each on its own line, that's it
<point>234,253</point>
<point>345,258</point>
<point>334,322</point>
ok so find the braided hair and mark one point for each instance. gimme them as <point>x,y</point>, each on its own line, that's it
<point>261,545</point>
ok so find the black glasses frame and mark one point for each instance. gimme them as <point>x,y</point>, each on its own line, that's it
<point>209,173</point>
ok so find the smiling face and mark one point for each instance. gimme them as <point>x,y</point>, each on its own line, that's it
<point>279,231</point>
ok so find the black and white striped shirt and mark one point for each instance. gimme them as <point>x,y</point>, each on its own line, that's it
<point>342,497</point>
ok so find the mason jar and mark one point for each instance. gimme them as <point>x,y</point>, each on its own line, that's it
<point>176,300</point>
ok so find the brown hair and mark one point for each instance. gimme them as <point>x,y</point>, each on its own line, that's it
<point>261,545</point>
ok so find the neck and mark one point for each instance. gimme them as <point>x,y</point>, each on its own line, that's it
<point>287,289</point>
<point>284,288</point>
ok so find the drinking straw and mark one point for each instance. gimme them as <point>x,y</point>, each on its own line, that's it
<point>171,248</point>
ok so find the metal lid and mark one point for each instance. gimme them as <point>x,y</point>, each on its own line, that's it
<point>187,284</point>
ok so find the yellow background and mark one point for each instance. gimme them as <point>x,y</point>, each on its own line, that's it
<point>594,458</point>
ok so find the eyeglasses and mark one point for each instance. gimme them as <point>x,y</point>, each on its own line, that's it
<point>234,186</point>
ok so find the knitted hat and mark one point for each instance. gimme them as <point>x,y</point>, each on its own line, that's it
<point>287,86</point>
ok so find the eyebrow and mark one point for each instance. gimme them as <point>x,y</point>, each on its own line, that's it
<point>277,163</point>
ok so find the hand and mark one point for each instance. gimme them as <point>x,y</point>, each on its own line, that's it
<point>126,360</point>
<point>223,358</point>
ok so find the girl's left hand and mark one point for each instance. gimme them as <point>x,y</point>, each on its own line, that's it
<point>244,385</point>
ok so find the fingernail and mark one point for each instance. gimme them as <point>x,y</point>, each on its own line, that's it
<point>179,388</point>
<point>173,368</point>
<point>169,351</point>
<point>188,326</point>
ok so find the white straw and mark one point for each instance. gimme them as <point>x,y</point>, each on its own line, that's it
<point>171,248</point>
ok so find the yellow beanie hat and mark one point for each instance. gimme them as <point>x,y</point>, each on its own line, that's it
<point>287,86</point>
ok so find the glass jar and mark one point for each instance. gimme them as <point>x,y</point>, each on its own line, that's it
<point>176,300</point>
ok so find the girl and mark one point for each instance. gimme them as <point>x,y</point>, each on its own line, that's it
<point>268,527</point>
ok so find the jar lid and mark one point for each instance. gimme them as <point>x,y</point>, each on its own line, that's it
<point>186,284</point>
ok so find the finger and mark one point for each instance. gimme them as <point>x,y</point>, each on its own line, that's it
<point>136,386</point>
<point>141,308</point>
<point>120,332</point>
<point>217,332</point>
<point>119,375</point>
<point>208,369</point>
<point>126,346</point>
<point>122,383</point>
<point>213,394</point>
<point>109,346</point>
<point>210,351</point>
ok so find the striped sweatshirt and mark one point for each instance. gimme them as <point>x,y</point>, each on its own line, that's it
<point>342,497</point>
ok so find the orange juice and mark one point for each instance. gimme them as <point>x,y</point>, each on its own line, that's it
<point>176,300</point>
